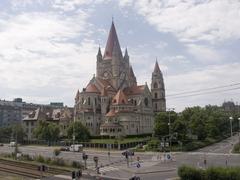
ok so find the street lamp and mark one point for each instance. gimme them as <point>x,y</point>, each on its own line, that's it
<point>239,130</point>
<point>231,119</point>
<point>169,126</point>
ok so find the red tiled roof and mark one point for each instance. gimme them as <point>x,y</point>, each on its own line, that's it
<point>134,90</point>
<point>105,84</point>
<point>112,41</point>
<point>120,98</point>
<point>111,113</point>
<point>91,88</point>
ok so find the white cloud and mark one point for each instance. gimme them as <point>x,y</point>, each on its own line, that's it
<point>192,21</point>
<point>39,59</point>
<point>205,54</point>
<point>210,76</point>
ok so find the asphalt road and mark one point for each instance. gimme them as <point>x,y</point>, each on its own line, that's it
<point>151,168</point>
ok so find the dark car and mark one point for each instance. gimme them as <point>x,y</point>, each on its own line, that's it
<point>64,148</point>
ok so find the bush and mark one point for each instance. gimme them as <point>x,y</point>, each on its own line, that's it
<point>76,164</point>
<point>153,145</point>
<point>26,157</point>
<point>58,162</point>
<point>213,173</point>
<point>56,152</point>
<point>190,173</point>
<point>40,159</point>
<point>236,148</point>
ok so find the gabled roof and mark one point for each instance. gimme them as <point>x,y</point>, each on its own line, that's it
<point>119,98</point>
<point>111,42</point>
<point>134,90</point>
<point>111,113</point>
<point>91,88</point>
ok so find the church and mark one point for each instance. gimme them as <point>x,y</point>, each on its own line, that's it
<point>112,103</point>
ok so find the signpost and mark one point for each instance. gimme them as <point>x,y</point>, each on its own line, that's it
<point>85,157</point>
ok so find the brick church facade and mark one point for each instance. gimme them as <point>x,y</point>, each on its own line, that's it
<point>113,103</point>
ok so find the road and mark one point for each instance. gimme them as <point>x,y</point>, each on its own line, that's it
<point>151,167</point>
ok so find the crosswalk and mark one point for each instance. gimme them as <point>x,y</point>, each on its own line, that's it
<point>107,169</point>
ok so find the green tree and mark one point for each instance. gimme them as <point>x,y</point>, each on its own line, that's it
<point>47,131</point>
<point>80,131</point>
<point>161,127</point>
<point>18,132</point>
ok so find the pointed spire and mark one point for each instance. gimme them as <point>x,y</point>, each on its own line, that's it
<point>131,72</point>
<point>126,53</point>
<point>99,51</point>
<point>111,42</point>
<point>156,68</point>
<point>77,95</point>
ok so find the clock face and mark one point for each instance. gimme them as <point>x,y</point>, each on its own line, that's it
<point>105,74</point>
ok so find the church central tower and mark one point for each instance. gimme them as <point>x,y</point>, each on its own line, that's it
<point>113,66</point>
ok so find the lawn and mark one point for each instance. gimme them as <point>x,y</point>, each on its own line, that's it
<point>121,141</point>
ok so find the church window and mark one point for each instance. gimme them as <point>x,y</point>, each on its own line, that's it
<point>155,85</point>
<point>123,102</point>
<point>89,101</point>
<point>156,106</point>
<point>146,101</point>
<point>135,102</point>
<point>155,95</point>
<point>95,101</point>
<point>114,101</point>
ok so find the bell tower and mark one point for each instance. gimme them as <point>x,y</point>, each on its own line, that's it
<point>158,90</point>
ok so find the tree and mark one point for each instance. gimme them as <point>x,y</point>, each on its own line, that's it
<point>47,131</point>
<point>12,132</point>
<point>80,131</point>
<point>161,127</point>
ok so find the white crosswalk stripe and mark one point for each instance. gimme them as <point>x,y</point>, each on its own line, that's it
<point>108,168</point>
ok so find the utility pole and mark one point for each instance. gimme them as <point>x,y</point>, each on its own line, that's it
<point>74,119</point>
<point>231,119</point>
<point>169,127</point>
<point>239,130</point>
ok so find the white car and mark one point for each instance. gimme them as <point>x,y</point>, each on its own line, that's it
<point>76,148</point>
<point>12,144</point>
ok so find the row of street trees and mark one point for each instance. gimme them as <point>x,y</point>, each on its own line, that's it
<point>13,132</point>
<point>201,123</point>
<point>51,132</point>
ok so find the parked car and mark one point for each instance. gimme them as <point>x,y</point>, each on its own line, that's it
<point>64,148</point>
<point>12,144</point>
<point>1,144</point>
<point>76,148</point>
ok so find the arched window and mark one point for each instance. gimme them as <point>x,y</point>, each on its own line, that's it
<point>89,101</point>
<point>155,95</point>
<point>156,106</point>
<point>155,85</point>
<point>146,101</point>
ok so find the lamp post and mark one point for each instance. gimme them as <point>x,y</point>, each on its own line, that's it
<point>239,130</point>
<point>231,119</point>
<point>169,127</point>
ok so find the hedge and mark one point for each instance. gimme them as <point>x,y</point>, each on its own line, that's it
<point>212,173</point>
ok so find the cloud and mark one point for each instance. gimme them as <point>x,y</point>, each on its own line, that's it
<point>205,54</point>
<point>192,21</point>
<point>210,76</point>
<point>40,57</point>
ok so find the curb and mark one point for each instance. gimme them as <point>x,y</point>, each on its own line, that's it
<point>149,172</point>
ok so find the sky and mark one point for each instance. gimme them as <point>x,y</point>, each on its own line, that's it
<point>48,47</point>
